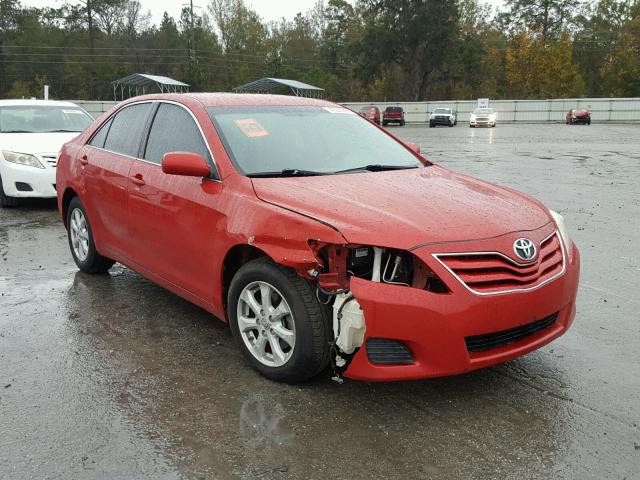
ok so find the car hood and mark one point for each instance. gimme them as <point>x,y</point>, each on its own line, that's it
<point>406,208</point>
<point>35,142</point>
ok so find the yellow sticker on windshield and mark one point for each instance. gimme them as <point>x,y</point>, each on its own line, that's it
<point>251,127</point>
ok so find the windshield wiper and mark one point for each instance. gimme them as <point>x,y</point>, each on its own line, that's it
<point>60,130</point>
<point>289,172</point>
<point>16,131</point>
<point>376,167</point>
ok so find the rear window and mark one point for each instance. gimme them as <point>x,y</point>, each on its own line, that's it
<point>368,109</point>
<point>394,110</point>
<point>43,119</point>
<point>126,129</point>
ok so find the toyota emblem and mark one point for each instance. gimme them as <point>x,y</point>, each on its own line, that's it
<point>525,249</point>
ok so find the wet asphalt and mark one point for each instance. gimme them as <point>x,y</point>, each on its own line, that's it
<point>112,377</point>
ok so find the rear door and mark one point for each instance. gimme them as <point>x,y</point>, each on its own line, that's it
<point>173,219</point>
<point>105,163</point>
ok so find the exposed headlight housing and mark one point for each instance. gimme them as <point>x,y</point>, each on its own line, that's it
<point>562,228</point>
<point>22,159</point>
<point>378,264</point>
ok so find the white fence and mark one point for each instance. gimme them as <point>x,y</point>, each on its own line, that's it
<point>616,110</point>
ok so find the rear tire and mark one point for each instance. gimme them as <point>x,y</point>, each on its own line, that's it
<point>402,123</point>
<point>80,236</point>
<point>6,201</point>
<point>265,327</point>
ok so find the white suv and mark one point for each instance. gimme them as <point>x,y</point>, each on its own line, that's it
<point>31,135</point>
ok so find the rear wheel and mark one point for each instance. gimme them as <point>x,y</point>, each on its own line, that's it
<point>402,123</point>
<point>282,329</point>
<point>6,201</point>
<point>83,248</point>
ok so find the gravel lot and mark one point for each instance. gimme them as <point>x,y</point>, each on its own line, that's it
<point>113,377</point>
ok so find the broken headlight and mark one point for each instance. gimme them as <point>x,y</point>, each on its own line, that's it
<point>385,265</point>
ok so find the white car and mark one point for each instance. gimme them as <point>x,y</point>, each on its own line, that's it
<point>482,117</point>
<point>31,135</point>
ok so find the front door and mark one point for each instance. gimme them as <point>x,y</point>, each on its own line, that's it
<point>172,219</point>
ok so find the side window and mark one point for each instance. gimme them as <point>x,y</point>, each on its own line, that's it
<point>174,130</point>
<point>99,138</point>
<point>126,129</point>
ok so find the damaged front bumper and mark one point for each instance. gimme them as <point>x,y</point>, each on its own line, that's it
<point>438,329</point>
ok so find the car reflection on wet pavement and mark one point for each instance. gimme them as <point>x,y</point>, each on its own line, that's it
<point>114,377</point>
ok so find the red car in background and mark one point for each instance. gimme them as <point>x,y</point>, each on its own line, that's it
<point>371,112</point>
<point>321,239</point>
<point>393,115</point>
<point>578,116</point>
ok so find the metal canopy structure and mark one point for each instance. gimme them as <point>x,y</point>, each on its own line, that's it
<point>137,83</point>
<point>269,84</point>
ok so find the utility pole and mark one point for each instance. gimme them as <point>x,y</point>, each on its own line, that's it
<point>191,38</point>
<point>92,73</point>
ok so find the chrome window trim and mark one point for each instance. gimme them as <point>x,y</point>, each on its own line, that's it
<point>513,290</point>
<point>195,120</point>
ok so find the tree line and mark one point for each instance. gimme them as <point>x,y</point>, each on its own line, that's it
<point>400,50</point>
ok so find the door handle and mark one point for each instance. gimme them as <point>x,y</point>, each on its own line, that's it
<point>137,179</point>
<point>84,160</point>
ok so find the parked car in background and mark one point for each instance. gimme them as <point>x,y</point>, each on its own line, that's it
<point>265,210</point>
<point>575,116</point>
<point>31,135</point>
<point>443,116</point>
<point>482,117</point>
<point>371,112</point>
<point>393,115</point>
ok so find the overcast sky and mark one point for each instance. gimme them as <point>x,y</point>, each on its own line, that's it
<point>267,9</point>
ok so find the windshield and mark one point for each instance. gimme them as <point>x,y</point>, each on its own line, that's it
<point>312,139</point>
<point>483,111</point>
<point>42,119</point>
<point>442,110</point>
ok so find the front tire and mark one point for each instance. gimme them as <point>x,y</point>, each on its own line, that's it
<point>280,326</point>
<point>80,236</point>
<point>6,201</point>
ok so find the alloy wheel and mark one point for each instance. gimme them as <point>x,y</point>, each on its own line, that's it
<point>79,234</point>
<point>266,324</point>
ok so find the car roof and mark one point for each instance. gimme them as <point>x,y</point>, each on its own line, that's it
<point>238,99</point>
<point>36,103</point>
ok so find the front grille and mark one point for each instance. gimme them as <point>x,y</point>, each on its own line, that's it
<point>51,159</point>
<point>487,341</point>
<point>388,352</point>
<point>489,272</point>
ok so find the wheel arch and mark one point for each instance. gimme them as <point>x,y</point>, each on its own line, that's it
<point>236,257</point>
<point>68,195</point>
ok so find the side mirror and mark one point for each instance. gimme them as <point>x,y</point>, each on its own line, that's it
<point>186,164</point>
<point>414,147</point>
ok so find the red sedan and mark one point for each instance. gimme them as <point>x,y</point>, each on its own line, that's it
<point>318,236</point>
<point>574,117</point>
